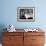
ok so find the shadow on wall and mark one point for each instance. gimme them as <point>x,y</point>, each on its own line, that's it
<point>2,26</point>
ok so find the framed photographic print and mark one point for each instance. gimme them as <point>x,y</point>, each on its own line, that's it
<point>26,14</point>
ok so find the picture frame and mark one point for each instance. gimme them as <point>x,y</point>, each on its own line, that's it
<point>26,14</point>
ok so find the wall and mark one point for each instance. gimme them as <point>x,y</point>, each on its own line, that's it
<point>8,13</point>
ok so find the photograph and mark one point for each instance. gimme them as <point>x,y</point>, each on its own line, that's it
<point>25,13</point>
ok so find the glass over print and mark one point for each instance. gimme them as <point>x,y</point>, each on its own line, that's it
<point>26,14</point>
